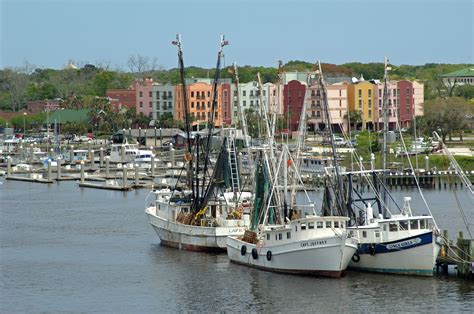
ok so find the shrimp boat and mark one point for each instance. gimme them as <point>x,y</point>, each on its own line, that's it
<point>311,245</point>
<point>400,243</point>
<point>213,206</point>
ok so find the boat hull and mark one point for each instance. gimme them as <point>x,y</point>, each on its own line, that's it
<point>327,257</point>
<point>414,255</point>
<point>193,238</point>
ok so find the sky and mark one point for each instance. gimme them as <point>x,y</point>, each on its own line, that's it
<point>49,33</point>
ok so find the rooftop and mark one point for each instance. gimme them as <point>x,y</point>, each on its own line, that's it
<point>461,73</point>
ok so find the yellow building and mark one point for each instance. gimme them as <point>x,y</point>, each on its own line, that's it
<point>361,97</point>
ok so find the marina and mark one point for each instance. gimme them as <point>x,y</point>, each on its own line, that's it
<point>298,167</point>
<point>99,251</point>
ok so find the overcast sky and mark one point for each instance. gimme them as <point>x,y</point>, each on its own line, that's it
<point>48,33</point>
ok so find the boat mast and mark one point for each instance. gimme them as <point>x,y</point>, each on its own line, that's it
<point>243,119</point>
<point>223,43</point>
<point>178,44</point>
<point>338,190</point>
<point>385,130</point>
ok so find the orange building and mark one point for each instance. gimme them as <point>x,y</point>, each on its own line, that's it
<point>199,103</point>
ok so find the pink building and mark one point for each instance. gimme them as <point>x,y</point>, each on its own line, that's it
<point>392,105</point>
<point>337,104</point>
<point>144,93</point>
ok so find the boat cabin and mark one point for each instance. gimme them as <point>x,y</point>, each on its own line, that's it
<point>393,229</point>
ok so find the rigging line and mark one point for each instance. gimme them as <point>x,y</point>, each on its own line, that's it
<point>463,215</point>
<point>414,174</point>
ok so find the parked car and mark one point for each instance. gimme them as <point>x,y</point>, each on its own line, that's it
<point>339,141</point>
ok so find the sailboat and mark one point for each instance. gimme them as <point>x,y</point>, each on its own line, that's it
<point>213,206</point>
<point>400,243</point>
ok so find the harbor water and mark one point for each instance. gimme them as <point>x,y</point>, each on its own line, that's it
<point>67,249</point>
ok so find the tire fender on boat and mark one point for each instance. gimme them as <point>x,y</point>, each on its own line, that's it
<point>243,250</point>
<point>355,258</point>
<point>269,255</point>
<point>254,253</point>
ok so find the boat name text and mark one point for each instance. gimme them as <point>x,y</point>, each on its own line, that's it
<point>313,243</point>
<point>403,244</point>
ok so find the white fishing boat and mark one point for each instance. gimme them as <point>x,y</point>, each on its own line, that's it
<point>398,243</point>
<point>312,245</point>
<point>214,207</point>
<point>401,244</point>
<point>171,218</point>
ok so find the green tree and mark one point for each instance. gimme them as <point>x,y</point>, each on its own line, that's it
<point>445,115</point>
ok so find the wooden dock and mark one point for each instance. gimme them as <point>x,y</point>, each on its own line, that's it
<point>459,254</point>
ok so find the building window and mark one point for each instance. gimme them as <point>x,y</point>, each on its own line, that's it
<point>370,103</point>
<point>141,104</point>
<point>318,114</point>
<point>192,94</point>
<point>380,102</point>
<point>170,105</point>
<point>251,103</point>
<point>244,103</point>
<point>244,93</point>
<point>151,104</point>
<point>140,94</point>
<point>340,113</point>
<point>340,103</point>
<point>370,113</point>
<point>150,94</point>
<point>192,104</point>
<point>264,93</point>
<point>340,92</point>
<point>169,94</point>
<point>208,104</point>
<point>157,95</point>
<point>360,92</point>
<point>370,93</point>
<point>360,104</point>
<point>208,94</point>
<point>380,93</point>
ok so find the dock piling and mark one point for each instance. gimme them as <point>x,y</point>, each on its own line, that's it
<point>124,177</point>
<point>9,166</point>
<point>58,168</point>
<point>136,175</point>
<point>107,167</point>
<point>49,170</point>
<point>152,166</point>
<point>101,157</point>
<point>82,171</point>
